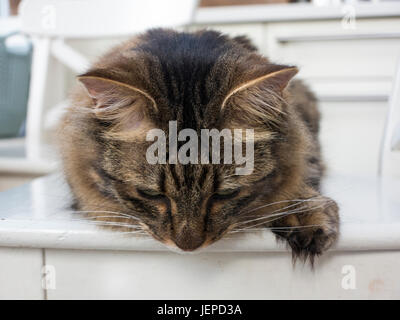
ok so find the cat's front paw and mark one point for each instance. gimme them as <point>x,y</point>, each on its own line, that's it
<point>312,233</point>
<point>306,244</point>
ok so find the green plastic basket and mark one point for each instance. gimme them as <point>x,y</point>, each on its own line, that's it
<point>15,65</point>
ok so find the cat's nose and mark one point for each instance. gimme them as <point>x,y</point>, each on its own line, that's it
<point>189,239</point>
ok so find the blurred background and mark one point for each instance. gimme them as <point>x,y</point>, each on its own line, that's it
<point>348,52</point>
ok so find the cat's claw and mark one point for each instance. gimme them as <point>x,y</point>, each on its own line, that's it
<point>309,242</point>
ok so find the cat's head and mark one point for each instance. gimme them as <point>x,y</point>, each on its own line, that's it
<point>195,81</point>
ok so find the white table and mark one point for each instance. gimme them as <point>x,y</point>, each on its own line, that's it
<point>38,229</point>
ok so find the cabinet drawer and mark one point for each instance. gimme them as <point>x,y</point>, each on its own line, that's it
<point>357,64</point>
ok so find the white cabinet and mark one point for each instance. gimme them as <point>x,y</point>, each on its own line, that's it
<point>157,275</point>
<point>340,64</point>
<point>21,273</point>
<point>101,274</point>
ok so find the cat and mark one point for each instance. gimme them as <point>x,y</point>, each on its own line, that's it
<point>203,79</point>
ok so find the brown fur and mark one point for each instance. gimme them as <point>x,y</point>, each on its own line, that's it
<point>201,80</point>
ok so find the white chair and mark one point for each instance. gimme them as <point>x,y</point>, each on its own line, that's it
<point>390,148</point>
<point>51,22</point>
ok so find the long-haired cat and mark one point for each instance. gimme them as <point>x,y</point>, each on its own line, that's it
<point>201,80</point>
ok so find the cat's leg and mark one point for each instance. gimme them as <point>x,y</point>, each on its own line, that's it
<point>309,228</point>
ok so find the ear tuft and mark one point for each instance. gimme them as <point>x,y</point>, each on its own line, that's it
<point>260,100</point>
<point>106,92</point>
<point>276,80</point>
<point>281,78</point>
<point>127,108</point>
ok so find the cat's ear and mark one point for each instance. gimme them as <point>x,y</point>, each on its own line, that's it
<point>261,97</point>
<point>106,92</point>
<point>126,107</point>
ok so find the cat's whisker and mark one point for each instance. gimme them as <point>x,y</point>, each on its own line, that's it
<point>134,232</point>
<point>279,212</point>
<point>283,214</point>
<point>94,222</point>
<point>117,214</point>
<point>111,223</point>
<point>93,218</point>
<point>314,199</point>
<point>317,198</point>
<point>275,228</point>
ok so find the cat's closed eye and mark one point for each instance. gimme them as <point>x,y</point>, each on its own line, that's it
<point>150,194</point>
<point>225,194</point>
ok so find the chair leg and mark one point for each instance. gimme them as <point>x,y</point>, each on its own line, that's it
<point>34,123</point>
<point>389,155</point>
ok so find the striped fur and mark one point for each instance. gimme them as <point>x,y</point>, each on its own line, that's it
<point>202,80</point>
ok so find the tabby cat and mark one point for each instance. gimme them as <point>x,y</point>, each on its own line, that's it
<point>200,80</point>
